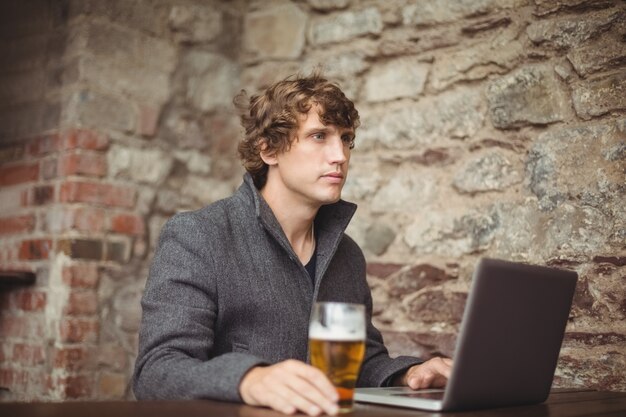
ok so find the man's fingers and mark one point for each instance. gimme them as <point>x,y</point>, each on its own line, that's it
<point>319,380</point>
<point>288,387</point>
<point>432,373</point>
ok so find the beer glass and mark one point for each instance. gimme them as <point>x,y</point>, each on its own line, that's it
<point>337,346</point>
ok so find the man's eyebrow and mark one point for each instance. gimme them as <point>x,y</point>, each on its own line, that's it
<point>315,129</point>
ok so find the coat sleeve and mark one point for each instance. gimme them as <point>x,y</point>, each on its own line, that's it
<point>378,367</point>
<point>177,331</point>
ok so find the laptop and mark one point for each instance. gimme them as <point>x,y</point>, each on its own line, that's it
<point>508,345</point>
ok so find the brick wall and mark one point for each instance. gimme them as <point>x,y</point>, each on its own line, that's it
<point>492,128</point>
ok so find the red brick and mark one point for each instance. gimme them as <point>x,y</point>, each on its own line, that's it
<point>382,270</point>
<point>10,326</point>
<point>18,174</point>
<point>81,303</point>
<point>11,154</point>
<point>81,275</point>
<point>28,355</point>
<point>113,356</point>
<point>43,145</point>
<point>148,120</point>
<point>35,249</point>
<point>30,300</point>
<point>38,196</point>
<point>129,224</point>
<point>75,386</point>
<point>97,193</point>
<point>75,358</point>
<point>17,224</point>
<point>89,219</point>
<point>112,385</point>
<point>88,249</point>
<point>89,164</point>
<point>85,139</point>
<point>49,168</point>
<point>75,330</point>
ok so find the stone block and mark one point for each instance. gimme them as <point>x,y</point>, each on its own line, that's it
<point>531,95</point>
<point>476,62</point>
<point>378,237</point>
<point>205,190</point>
<point>437,306</point>
<point>274,32</point>
<point>139,164</point>
<point>258,77</point>
<point>600,95</point>
<point>147,17</point>
<point>609,52</point>
<point>405,190</point>
<point>415,278</point>
<point>545,7</point>
<point>90,108</point>
<point>344,26</point>
<point>448,234</point>
<point>129,47</point>
<point>554,171</point>
<point>404,41</point>
<point>147,84</point>
<point>212,80</point>
<point>570,32</point>
<point>431,12</point>
<point>328,5</point>
<point>194,161</point>
<point>493,171</point>
<point>397,78</point>
<point>195,23</point>
<point>451,115</point>
<point>338,65</point>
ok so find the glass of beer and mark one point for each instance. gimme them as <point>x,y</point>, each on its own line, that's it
<point>337,346</point>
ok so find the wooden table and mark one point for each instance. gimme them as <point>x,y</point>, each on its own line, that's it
<point>560,404</point>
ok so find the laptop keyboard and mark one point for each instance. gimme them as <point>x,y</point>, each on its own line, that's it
<point>430,395</point>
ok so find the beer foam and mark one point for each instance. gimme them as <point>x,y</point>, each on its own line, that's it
<point>336,333</point>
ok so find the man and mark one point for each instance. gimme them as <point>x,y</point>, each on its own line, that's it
<point>227,303</point>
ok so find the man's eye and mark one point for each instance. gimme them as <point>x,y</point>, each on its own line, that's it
<point>348,140</point>
<point>318,136</point>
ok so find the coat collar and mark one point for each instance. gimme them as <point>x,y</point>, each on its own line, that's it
<point>330,223</point>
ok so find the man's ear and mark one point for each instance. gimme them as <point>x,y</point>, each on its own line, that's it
<point>269,157</point>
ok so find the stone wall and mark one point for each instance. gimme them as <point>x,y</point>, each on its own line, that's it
<point>489,128</point>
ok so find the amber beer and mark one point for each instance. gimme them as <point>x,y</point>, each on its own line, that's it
<point>337,346</point>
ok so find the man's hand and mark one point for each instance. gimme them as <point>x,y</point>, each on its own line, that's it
<point>288,387</point>
<point>433,373</point>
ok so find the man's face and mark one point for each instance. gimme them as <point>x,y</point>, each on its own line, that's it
<point>314,169</point>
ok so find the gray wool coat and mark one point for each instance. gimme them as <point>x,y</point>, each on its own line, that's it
<point>226,292</point>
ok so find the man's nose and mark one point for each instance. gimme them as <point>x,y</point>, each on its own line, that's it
<point>337,150</point>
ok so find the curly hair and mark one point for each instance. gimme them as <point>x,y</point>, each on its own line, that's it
<point>271,118</point>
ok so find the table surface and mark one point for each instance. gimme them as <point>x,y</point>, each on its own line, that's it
<point>559,404</point>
